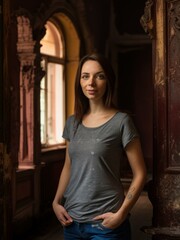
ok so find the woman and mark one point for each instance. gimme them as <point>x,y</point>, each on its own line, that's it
<point>97,134</point>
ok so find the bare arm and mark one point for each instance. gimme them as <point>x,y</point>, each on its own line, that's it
<point>59,210</point>
<point>136,160</point>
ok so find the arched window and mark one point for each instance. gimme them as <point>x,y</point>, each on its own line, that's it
<point>52,93</point>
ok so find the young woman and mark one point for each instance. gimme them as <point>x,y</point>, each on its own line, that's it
<point>95,206</point>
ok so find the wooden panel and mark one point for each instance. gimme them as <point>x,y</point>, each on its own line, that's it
<point>173,76</point>
<point>167,88</point>
<point>166,127</point>
<point>24,194</point>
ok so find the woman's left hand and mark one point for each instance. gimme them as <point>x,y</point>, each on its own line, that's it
<point>110,220</point>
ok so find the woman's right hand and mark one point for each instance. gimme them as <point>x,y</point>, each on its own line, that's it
<point>62,215</point>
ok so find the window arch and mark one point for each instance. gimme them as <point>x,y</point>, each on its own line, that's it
<point>65,45</point>
<point>52,93</point>
<point>52,42</point>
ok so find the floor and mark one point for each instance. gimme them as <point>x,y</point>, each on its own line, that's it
<point>141,215</point>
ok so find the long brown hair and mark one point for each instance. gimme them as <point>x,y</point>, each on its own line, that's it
<point>81,101</point>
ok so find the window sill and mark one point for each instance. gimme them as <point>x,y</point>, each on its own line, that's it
<point>25,168</point>
<point>53,148</point>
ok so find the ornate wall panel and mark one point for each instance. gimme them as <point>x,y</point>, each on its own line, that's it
<point>165,191</point>
<point>173,76</point>
<point>25,49</point>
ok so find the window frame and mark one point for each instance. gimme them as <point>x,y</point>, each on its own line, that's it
<point>54,60</point>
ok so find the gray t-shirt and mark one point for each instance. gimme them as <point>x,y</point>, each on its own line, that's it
<point>95,153</point>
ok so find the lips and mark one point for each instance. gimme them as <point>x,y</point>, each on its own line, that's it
<point>91,92</point>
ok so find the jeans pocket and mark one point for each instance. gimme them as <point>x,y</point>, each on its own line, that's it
<point>104,227</point>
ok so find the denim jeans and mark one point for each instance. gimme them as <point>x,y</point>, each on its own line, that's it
<point>96,231</point>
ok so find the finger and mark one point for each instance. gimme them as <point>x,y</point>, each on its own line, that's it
<point>99,217</point>
<point>65,222</point>
<point>65,219</point>
<point>68,217</point>
<point>62,220</point>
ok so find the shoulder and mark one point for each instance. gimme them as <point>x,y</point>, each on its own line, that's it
<point>71,119</point>
<point>71,122</point>
<point>123,116</point>
<point>69,127</point>
<point>125,120</point>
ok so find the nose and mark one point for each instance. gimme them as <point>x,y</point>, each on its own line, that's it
<point>91,81</point>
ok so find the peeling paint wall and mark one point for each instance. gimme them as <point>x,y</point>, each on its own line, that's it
<point>167,120</point>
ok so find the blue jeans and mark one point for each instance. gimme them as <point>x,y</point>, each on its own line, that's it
<point>96,231</point>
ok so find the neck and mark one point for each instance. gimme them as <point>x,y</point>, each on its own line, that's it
<point>95,107</point>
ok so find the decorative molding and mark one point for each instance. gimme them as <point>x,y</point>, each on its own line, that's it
<point>25,49</point>
<point>173,73</point>
<point>174,14</point>
<point>146,20</point>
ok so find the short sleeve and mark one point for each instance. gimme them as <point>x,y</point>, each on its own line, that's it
<point>68,129</point>
<point>65,134</point>
<point>129,131</point>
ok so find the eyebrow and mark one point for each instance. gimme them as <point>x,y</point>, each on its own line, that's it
<point>95,73</point>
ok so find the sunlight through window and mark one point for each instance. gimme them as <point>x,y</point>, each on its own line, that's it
<point>52,97</point>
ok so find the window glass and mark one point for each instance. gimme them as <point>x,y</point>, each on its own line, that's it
<point>52,41</point>
<point>52,98</point>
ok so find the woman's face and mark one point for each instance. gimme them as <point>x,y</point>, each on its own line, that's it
<point>93,80</point>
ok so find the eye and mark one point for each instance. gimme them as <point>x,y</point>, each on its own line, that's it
<point>85,76</point>
<point>100,76</point>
